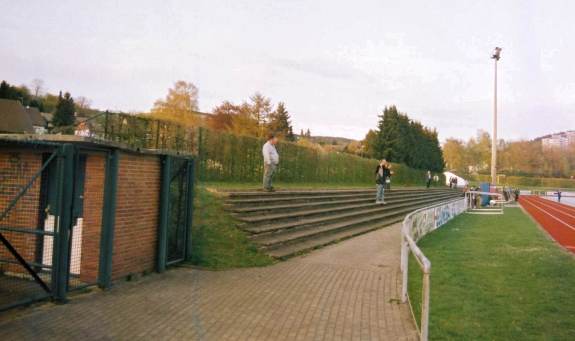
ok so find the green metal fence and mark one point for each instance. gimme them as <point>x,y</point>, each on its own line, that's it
<point>224,157</point>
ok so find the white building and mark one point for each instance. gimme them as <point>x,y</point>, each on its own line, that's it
<point>559,140</point>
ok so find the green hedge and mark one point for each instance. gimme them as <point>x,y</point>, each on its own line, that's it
<point>230,158</point>
<point>225,157</point>
<point>527,181</point>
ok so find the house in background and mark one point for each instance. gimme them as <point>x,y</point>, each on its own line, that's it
<point>39,123</point>
<point>17,119</point>
<point>14,118</point>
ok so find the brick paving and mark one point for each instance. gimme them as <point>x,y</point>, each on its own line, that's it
<point>347,291</point>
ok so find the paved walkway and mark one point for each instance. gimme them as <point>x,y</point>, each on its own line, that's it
<point>348,291</point>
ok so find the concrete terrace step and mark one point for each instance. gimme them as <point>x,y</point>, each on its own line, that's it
<point>248,194</point>
<point>325,235</point>
<point>341,207</point>
<point>274,227</point>
<point>299,198</point>
<point>291,250</point>
<point>295,234</point>
<point>369,197</point>
<point>286,223</point>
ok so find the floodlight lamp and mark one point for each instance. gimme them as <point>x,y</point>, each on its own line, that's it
<point>496,53</point>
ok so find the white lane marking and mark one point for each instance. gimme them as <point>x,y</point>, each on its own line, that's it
<point>554,208</point>
<point>562,205</point>
<point>552,216</point>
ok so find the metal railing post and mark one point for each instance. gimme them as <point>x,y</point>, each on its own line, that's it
<point>190,207</point>
<point>164,212</point>
<point>63,227</point>
<point>108,220</point>
<point>425,306</point>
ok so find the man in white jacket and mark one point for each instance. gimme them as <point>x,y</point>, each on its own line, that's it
<point>271,160</point>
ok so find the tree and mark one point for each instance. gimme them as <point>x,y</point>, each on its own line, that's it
<point>37,87</point>
<point>180,104</point>
<point>400,139</point>
<point>369,144</point>
<point>18,93</point>
<point>64,115</point>
<point>83,105</point>
<point>454,153</point>
<point>261,109</point>
<point>223,117</point>
<point>50,102</point>
<point>279,122</point>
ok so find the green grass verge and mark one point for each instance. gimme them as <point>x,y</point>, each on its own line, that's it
<point>216,242</point>
<point>496,278</point>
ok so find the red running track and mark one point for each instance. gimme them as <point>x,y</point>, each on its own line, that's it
<point>558,219</point>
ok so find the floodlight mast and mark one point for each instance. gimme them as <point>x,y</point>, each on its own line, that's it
<point>496,56</point>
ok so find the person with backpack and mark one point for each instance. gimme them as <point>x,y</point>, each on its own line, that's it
<point>382,174</point>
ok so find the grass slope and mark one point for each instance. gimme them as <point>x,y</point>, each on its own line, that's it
<point>216,242</point>
<point>497,278</point>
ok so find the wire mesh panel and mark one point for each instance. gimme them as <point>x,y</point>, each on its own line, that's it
<point>177,226</point>
<point>26,227</point>
<point>89,178</point>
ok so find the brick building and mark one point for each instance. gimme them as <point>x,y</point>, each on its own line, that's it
<point>77,212</point>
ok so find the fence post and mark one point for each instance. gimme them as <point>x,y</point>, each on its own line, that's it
<point>106,124</point>
<point>404,267</point>
<point>108,220</point>
<point>164,212</point>
<point>201,162</point>
<point>61,247</point>
<point>425,307</point>
<point>190,207</point>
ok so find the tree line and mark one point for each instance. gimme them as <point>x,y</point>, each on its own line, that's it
<point>256,117</point>
<point>403,140</point>
<point>397,138</point>
<point>518,158</point>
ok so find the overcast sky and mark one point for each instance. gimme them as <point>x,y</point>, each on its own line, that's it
<point>334,63</point>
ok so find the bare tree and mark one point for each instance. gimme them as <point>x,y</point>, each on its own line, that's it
<point>37,86</point>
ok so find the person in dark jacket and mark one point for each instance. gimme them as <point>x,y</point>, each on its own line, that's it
<point>382,173</point>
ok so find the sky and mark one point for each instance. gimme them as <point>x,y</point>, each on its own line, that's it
<point>336,64</point>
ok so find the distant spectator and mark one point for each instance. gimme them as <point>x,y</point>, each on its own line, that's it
<point>382,173</point>
<point>429,178</point>
<point>271,161</point>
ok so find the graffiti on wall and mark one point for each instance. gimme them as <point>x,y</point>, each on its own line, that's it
<point>427,220</point>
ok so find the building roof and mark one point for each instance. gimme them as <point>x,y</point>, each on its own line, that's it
<point>14,118</point>
<point>36,117</point>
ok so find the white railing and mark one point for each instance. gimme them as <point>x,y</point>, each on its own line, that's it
<point>416,225</point>
<point>495,205</point>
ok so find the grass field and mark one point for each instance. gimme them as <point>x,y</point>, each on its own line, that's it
<point>497,278</point>
<point>216,242</point>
